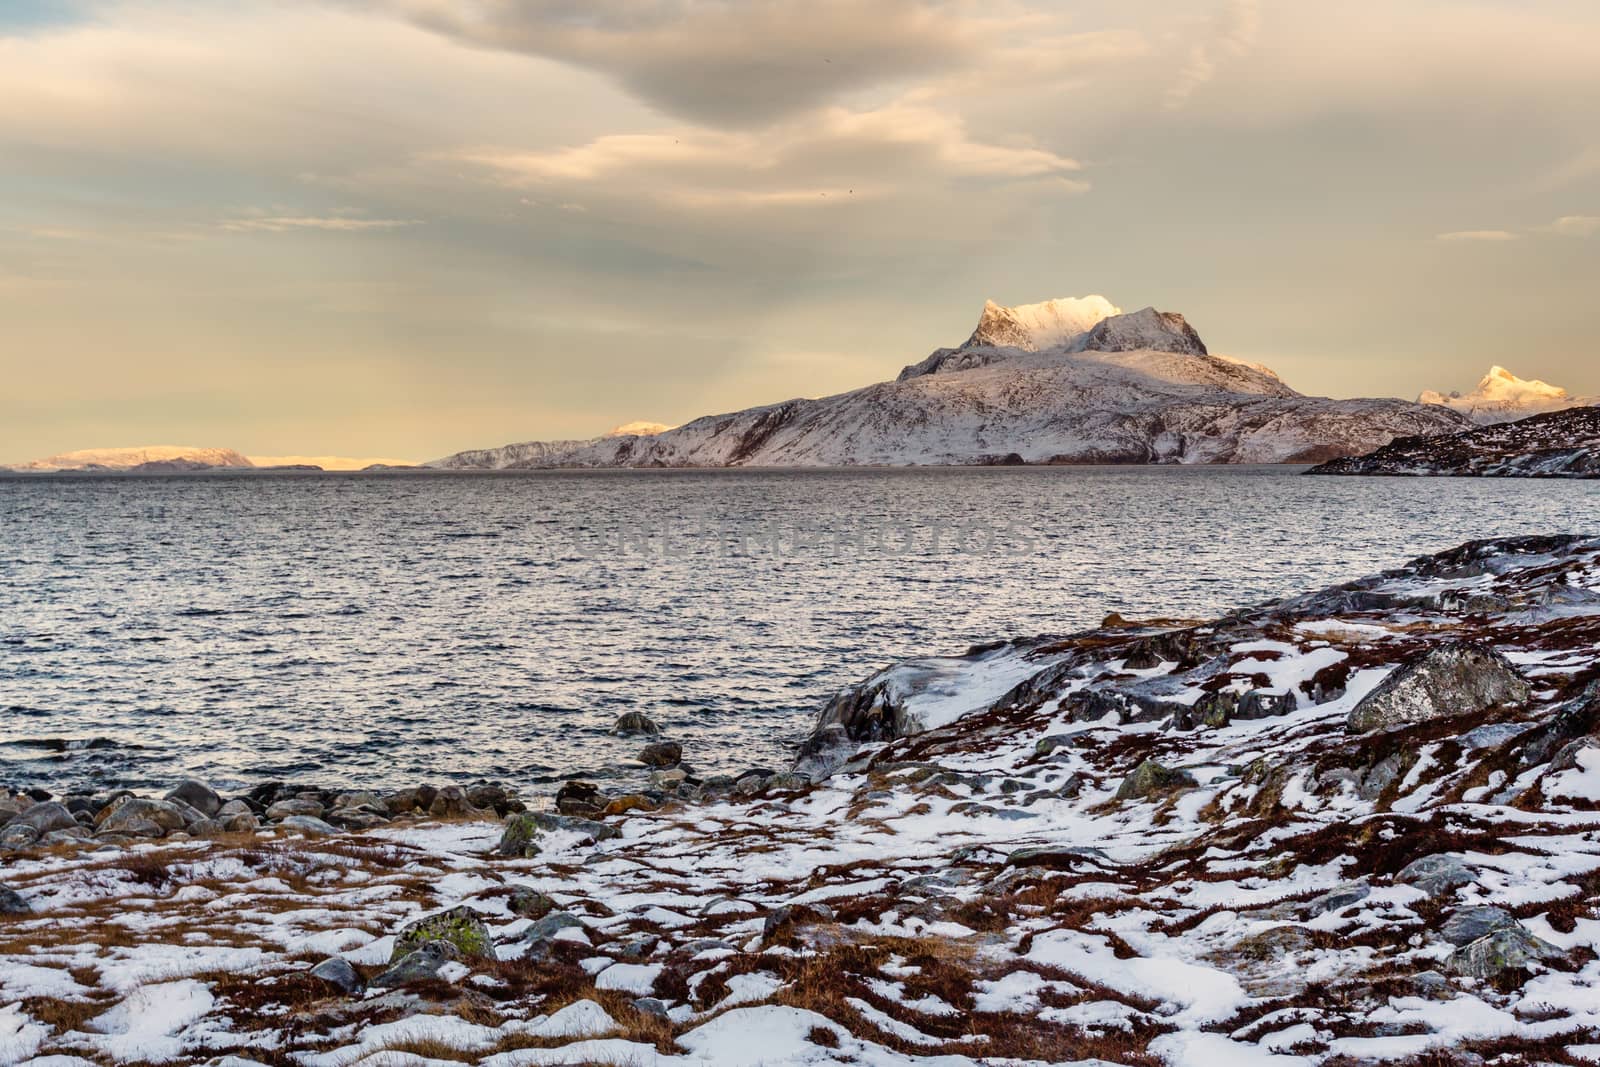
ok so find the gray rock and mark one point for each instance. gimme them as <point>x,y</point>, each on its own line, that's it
<point>634,722</point>
<point>1338,898</point>
<point>1057,857</point>
<point>1262,704</point>
<point>417,966</point>
<point>638,948</point>
<point>461,927</point>
<point>15,837</point>
<point>1458,678</point>
<point>528,903</point>
<point>339,974</point>
<point>541,936</point>
<point>241,823</point>
<point>1508,948</point>
<point>284,809</point>
<point>1150,778</point>
<point>1468,924</point>
<point>651,1006</point>
<point>520,839</point>
<point>451,803</point>
<point>309,825</point>
<point>46,817</point>
<point>1433,985</point>
<point>360,798</point>
<point>66,837</point>
<point>824,752</point>
<point>1436,874</point>
<point>197,795</point>
<point>11,902</point>
<point>234,807</point>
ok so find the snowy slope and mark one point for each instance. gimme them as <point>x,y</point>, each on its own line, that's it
<point>129,458</point>
<point>1074,383</point>
<point>1557,444</point>
<point>1502,397</point>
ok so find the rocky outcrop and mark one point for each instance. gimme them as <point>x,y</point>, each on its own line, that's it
<point>1561,444</point>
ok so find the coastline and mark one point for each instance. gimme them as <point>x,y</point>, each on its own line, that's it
<point>1150,842</point>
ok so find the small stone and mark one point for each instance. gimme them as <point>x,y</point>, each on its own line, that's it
<point>541,936</point>
<point>197,795</point>
<point>634,722</point>
<point>1338,898</point>
<point>638,948</point>
<point>528,903</point>
<point>339,974</point>
<point>661,754</point>
<point>651,1006</point>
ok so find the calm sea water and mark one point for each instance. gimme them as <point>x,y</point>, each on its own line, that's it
<point>385,630</point>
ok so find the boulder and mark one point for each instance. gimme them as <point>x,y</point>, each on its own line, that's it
<point>460,927</point>
<point>134,815</point>
<point>15,837</point>
<point>197,795</point>
<point>824,752</point>
<point>308,825</point>
<point>528,903</point>
<point>1507,949</point>
<point>520,839</point>
<point>581,798</point>
<point>416,966</point>
<point>1466,925</point>
<point>1151,778</point>
<point>661,754</point>
<point>542,936</point>
<point>634,722</point>
<point>241,823</point>
<point>46,817</point>
<point>1338,898</point>
<point>1459,678</point>
<point>284,809</point>
<point>339,974</point>
<point>1057,857</point>
<point>11,902</point>
<point>451,803</point>
<point>1437,874</point>
<point>487,796</point>
<point>1264,704</point>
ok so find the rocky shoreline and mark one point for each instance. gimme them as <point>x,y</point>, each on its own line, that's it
<point>1361,825</point>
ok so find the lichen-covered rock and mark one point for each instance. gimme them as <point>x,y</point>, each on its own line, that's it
<point>1151,778</point>
<point>1459,678</point>
<point>1509,948</point>
<point>461,928</point>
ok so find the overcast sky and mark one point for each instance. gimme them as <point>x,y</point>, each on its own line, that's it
<point>404,227</point>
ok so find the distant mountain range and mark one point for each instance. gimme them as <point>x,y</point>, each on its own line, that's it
<point>1556,444</point>
<point>177,459</point>
<point>1503,397</point>
<point>1065,381</point>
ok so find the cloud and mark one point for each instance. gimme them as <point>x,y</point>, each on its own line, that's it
<point>1477,235</point>
<point>1235,29</point>
<point>725,62</point>
<point>1576,225</point>
<point>832,155</point>
<point>286,223</point>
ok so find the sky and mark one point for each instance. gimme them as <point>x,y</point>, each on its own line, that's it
<point>401,228</point>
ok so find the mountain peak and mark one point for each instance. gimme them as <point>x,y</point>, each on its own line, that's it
<point>1160,331</point>
<point>1034,327</point>
<point>638,429</point>
<point>1501,396</point>
<point>139,457</point>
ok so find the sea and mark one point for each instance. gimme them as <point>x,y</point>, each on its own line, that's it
<point>384,630</point>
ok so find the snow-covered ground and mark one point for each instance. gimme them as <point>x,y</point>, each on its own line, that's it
<point>1503,397</point>
<point>1141,844</point>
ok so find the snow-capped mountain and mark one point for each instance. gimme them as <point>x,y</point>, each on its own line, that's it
<point>175,457</point>
<point>638,429</point>
<point>1503,397</point>
<point>1065,381</point>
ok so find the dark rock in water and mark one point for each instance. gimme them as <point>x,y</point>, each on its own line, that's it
<point>634,722</point>
<point>581,798</point>
<point>1469,924</point>
<point>1436,874</point>
<point>1509,948</point>
<point>1458,678</point>
<point>11,902</point>
<point>528,903</point>
<point>661,754</point>
<point>460,927</point>
<point>339,974</point>
<point>1150,778</point>
<point>417,966</point>
<point>198,796</point>
<point>45,817</point>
